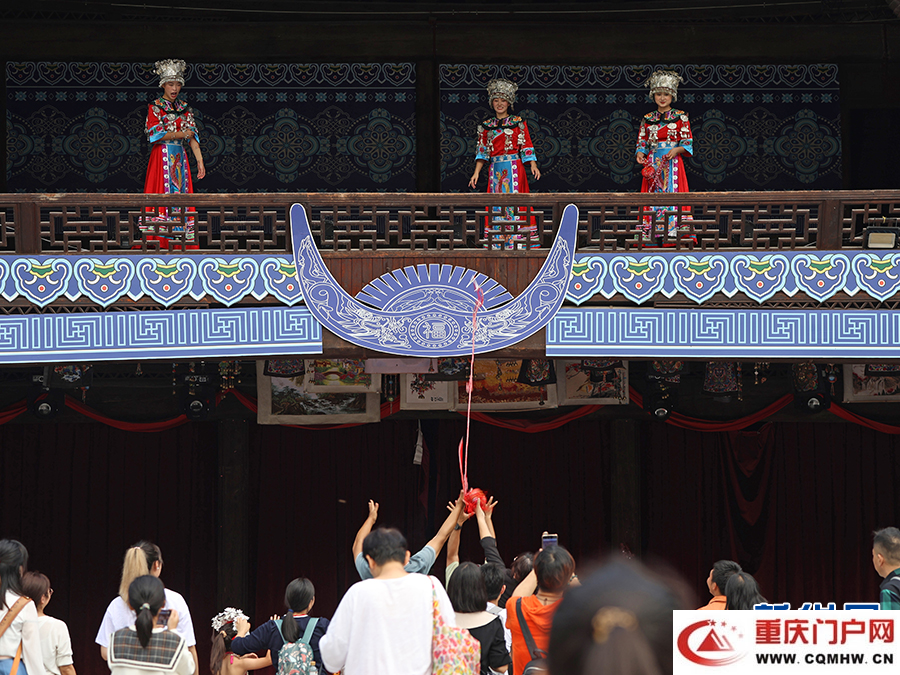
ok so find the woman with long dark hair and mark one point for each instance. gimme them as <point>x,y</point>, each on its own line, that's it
<point>468,594</point>
<point>296,625</point>
<point>146,647</point>
<point>20,644</point>
<point>142,559</point>
<point>222,660</point>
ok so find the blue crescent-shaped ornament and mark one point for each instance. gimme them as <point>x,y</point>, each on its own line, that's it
<point>437,330</point>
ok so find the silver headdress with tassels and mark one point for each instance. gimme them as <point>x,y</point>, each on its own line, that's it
<point>170,70</point>
<point>665,81</point>
<point>502,89</point>
<point>231,614</point>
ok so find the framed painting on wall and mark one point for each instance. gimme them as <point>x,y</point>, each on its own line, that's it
<point>497,387</point>
<point>580,385</point>
<point>417,393</point>
<point>871,383</point>
<point>340,376</point>
<point>284,400</point>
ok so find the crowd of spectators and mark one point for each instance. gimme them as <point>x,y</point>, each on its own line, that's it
<point>531,616</point>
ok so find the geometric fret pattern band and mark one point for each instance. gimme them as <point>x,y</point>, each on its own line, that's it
<point>724,334</point>
<point>165,334</point>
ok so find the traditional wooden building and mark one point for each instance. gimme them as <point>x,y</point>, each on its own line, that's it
<point>131,375</point>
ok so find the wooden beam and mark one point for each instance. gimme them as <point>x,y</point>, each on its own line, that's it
<point>625,485</point>
<point>233,525</point>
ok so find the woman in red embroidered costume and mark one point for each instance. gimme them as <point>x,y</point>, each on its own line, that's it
<point>504,144</point>
<point>170,125</point>
<point>665,135</point>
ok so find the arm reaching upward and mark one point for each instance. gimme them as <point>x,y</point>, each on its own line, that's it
<point>437,541</point>
<point>365,529</point>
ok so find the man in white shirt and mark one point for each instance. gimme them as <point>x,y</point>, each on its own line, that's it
<point>384,624</point>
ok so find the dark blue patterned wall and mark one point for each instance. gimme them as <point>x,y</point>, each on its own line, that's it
<point>755,127</point>
<point>264,127</point>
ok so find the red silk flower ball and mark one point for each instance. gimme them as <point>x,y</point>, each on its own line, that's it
<point>472,497</point>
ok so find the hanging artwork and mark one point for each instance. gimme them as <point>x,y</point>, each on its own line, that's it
<point>496,387</point>
<point>419,393</point>
<point>285,400</point>
<point>592,386</point>
<point>864,384</point>
<point>339,376</point>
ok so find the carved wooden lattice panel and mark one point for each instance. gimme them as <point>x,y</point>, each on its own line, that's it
<point>233,223</point>
<point>857,216</point>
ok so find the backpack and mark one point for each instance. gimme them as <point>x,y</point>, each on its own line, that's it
<point>538,663</point>
<point>453,650</point>
<point>296,658</point>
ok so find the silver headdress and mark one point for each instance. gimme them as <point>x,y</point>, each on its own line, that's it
<point>665,81</point>
<point>170,70</point>
<point>502,89</point>
<point>230,615</point>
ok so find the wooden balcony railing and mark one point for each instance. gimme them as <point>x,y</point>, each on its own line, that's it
<point>79,223</point>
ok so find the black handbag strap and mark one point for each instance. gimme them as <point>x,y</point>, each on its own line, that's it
<point>526,633</point>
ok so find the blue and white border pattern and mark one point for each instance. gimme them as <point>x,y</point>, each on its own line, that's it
<point>639,277</point>
<point>167,280</point>
<point>166,334</point>
<point>757,334</point>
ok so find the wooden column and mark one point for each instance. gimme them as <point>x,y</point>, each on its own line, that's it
<point>233,526</point>
<point>625,502</point>
<point>428,127</point>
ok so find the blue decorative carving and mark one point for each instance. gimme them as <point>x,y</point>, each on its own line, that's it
<point>587,276</point>
<point>723,334</point>
<point>280,279</point>
<point>228,280</point>
<point>420,285</point>
<point>41,282</point>
<point>427,326</point>
<point>877,276</point>
<point>821,276</point>
<point>639,279</point>
<point>760,277</point>
<point>166,280</point>
<point>4,274</point>
<point>167,334</point>
<point>104,283</point>
<point>701,277</point>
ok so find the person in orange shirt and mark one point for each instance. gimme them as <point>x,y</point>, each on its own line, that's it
<point>718,577</point>
<point>554,570</point>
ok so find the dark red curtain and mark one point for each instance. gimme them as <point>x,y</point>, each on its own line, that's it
<point>795,504</point>
<point>77,495</point>
<point>313,490</point>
